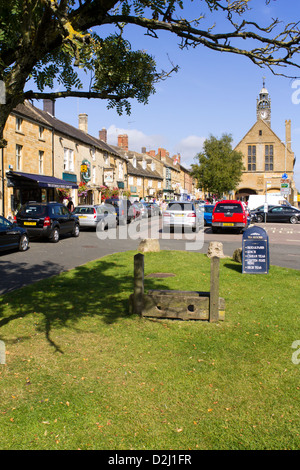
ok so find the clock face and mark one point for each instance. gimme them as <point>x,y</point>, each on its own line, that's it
<point>263,114</point>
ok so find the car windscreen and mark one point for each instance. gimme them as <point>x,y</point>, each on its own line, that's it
<point>32,210</point>
<point>208,208</point>
<point>180,206</point>
<point>231,208</point>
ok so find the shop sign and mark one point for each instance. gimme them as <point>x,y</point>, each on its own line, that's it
<point>108,176</point>
<point>255,251</point>
<point>85,170</point>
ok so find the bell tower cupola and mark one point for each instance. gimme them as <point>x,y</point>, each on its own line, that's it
<point>263,105</point>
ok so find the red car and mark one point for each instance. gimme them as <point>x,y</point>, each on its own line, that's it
<point>229,215</point>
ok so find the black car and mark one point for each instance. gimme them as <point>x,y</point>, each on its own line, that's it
<point>278,214</point>
<point>48,220</point>
<point>153,209</point>
<point>125,211</point>
<point>12,236</point>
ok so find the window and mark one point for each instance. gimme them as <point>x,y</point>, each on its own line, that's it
<point>93,153</point>
<point>139,182</point>
<point>130,180</point>
<point>41,161</point>
<point>94,175</point>
<point>149,183</point>
<point>106,159</point>
<point>19,157</point>
<point>19,124</point>
<point>268,157</point>
<point>152,166</point>
<point>144,164</point>
<point>260,132</point>
<point>41,132</point>
<point>159,185</point>
<point>121,174</point>
<point>134,162</point>
<point>68,159</point>
<point>251,157</point>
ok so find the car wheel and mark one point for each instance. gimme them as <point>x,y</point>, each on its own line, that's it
<point>260,219</point>
<point>102,226</point>
<point>24,243</point>
<point>76,231</point>
<point>54,237</point>
<point>293,219</point>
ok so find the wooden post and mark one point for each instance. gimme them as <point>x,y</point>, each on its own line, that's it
<point>214,289</point>
<point>138,289</point>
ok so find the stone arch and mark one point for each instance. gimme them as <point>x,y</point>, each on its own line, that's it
<point>244,193</point>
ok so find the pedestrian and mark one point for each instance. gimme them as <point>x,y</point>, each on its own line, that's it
<point>70,205</point>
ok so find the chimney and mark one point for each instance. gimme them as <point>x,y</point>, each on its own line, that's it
<point>151,153</point>
<point>144,150</point>
<point>103,135</point>
<point>162,154</point>
<point>123,141</point>
<point>288,134</point>
<point>83,122</point>
<point>49,106</point>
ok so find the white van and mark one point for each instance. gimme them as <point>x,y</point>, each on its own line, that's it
<point>256,200</point>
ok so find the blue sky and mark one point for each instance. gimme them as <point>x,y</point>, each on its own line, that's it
<point>212,93</point>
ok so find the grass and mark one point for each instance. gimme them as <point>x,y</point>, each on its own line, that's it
<point>81,373</point>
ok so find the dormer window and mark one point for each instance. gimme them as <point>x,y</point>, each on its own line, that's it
<point>153,166</point>
<point>134,162</point>
<point>144,165</point>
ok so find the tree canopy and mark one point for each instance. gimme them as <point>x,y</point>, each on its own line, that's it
<point>220,168</point>
<point>50,41</point>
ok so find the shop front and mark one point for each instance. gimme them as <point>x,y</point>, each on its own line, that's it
<point>31,187</point>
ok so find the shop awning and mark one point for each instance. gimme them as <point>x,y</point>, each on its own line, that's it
<point>16,178</point>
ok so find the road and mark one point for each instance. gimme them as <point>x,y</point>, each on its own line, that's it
<point>44,259</point>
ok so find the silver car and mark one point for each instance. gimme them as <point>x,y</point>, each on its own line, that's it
<point>89,216</point>
<point>182,214</point>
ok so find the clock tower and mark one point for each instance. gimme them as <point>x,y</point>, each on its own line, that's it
<point>263,105</point>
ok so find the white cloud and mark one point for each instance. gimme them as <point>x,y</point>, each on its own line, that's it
<point>189,147</point>
<point>136,139</point>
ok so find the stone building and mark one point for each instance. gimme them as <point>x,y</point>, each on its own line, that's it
<point>265,157</point>
<point>46,157</point>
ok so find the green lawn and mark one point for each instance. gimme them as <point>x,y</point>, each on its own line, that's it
<point>81,373</point>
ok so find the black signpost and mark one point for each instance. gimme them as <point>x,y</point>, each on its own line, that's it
<point>255,256</point>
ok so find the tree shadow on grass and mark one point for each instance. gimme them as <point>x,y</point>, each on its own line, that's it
<point>97,290</point>
<point>234,266</point>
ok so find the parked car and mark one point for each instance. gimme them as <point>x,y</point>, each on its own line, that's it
<point>259,211</point>
<point>49,220</point>
<point>91,215</point>
<point>207,213</point>
<point>230,214</point>
<point>12,236</point>
<point>141,209</point>
<point>182,214</point>
<point>126,212</point>
<point>152,208</point>
<point>278,214</point>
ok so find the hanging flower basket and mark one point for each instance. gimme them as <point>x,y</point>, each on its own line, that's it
<point>82,189</point>
<point>63,193</point>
